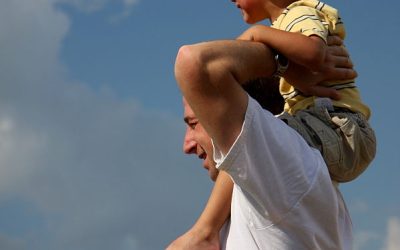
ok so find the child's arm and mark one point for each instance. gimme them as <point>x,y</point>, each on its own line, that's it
<point>204,235</point>
<point>308,51</point>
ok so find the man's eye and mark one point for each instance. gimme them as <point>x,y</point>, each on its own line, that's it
<point>192,125</point>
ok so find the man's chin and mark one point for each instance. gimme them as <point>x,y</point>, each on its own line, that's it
<point>213,178</point>
<point>210,167</point>
<point>213,175</point>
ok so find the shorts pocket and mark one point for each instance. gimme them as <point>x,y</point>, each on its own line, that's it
<point>329,140</point>
<point>359,143</point>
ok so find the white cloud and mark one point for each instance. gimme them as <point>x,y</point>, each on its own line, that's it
<point>126,11</point>
<point>125,6</point>
<point>358,206</point>
<point>8,243</point>
<point>31,35</point>
<point>393,234</point>
<point>130,2</point>
<point>86,5</point>
<point>130,243</point>
<point>363,238</point>
<point>97,169</point>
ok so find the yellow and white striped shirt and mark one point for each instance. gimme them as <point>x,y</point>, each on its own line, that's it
<point>312,17</point>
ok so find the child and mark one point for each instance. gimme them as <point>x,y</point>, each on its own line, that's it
<point>338,128</point>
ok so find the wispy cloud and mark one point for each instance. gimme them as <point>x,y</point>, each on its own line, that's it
<point>358,206</point>
<point>130,3</point>
<point>86,5</point>
<point>363,238</point>
<point>96,169</point>
<point>8,243</point>
<point>125,7</point>
<point>393,234</point>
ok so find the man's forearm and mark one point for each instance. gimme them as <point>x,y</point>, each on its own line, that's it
<point>217,210</point>
<point>210,75</point>
<point>245,60</point>
<point>204,235</point>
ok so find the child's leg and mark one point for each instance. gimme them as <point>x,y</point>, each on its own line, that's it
<point>357,144</point>
<point>345,139</point>
<point>204,235</point>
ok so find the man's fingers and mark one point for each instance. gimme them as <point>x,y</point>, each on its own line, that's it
<point>337,51</point>
<point>334,40</point>
<point>322,91</point>
<point>340,74</point>
<point>343,62</point>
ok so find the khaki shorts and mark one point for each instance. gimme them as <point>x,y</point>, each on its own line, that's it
<point>344,138</point>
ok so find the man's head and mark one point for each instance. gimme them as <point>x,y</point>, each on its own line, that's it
<point>198,142</point>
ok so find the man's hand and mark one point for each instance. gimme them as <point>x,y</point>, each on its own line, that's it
<point>194,240</point>
<point>337,66</point>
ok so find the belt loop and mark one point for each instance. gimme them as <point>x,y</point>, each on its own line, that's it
<point>324,103</point>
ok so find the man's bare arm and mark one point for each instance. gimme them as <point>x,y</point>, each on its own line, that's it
<point>209,75</point>
<point>204,235</point>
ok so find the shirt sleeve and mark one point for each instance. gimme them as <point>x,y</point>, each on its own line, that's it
<point>270,162</point>
<point>305,20</point>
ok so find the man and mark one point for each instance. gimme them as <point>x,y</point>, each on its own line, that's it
<point>283,197</point>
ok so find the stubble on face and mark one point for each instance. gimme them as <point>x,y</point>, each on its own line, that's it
<point>198,142</point>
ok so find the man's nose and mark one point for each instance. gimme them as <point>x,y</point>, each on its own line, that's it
<point>189,144</point>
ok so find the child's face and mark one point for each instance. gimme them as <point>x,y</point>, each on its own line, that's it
<point>252,10</point>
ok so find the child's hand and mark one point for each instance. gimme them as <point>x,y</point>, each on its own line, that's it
<point>248,35</point>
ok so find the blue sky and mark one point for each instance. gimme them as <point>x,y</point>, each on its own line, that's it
<point>91,121</point>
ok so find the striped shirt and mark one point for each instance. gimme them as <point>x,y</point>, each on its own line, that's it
<point>315,18</point>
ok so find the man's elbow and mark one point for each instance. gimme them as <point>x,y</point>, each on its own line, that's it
<point>188,65</point>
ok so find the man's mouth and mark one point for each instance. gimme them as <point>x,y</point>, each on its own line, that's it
<point>203,156</point>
